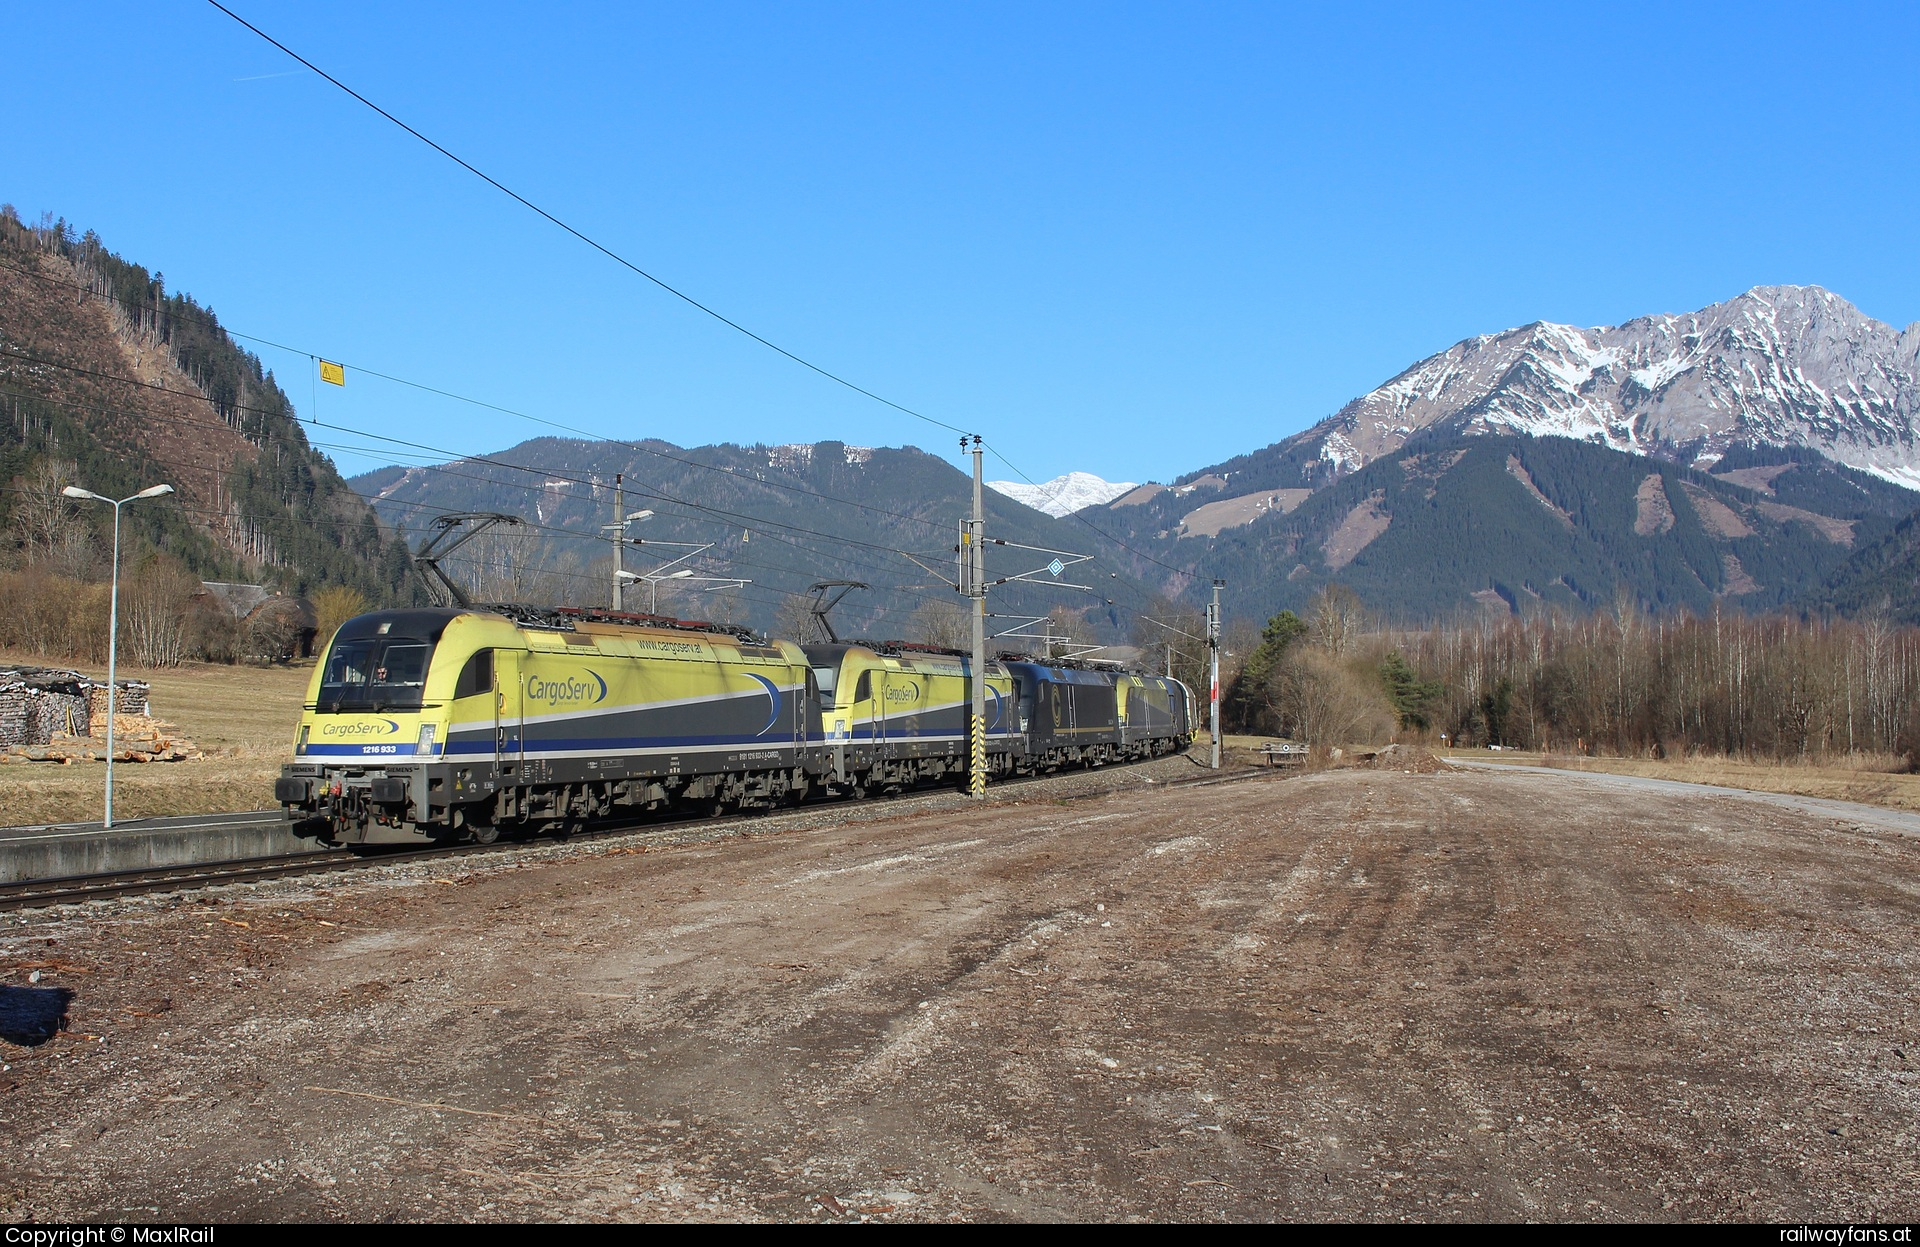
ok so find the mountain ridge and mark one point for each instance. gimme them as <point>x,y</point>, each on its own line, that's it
<point>1064,494</point>
<point>1777,366</point>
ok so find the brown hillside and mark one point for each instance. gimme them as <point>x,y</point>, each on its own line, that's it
<point>113,375</point>
<point>107,375</point>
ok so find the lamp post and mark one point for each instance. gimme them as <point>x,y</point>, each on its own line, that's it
<point>113,616</point>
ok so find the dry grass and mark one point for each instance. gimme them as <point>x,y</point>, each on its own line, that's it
<point>244,718</point>
<point>1870,779</point>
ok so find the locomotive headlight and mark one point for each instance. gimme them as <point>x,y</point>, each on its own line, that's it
<point>300,746</point>
<point>425,743</point>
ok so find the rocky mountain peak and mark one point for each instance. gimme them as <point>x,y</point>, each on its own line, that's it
<point>1778,366</point>
<point>1063,495</point>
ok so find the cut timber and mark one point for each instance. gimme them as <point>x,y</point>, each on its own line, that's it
<point>136,738</point>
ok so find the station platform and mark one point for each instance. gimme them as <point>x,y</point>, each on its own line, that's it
<point>60,850</point>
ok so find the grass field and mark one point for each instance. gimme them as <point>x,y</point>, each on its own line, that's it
<point>243,718</point>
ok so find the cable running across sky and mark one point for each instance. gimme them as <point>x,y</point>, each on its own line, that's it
<point>611,254</point>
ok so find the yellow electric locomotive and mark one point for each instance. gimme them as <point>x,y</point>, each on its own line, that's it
<point>895,714</point>
<point>458,723</point>
<point>425,725</point>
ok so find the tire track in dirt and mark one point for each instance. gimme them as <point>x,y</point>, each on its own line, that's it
<point>1346,995</point>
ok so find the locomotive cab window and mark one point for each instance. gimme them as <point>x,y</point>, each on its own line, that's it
<point>374,676</point>
<point>477,676</point>
<point>826,678</point>
<point>863,691</point>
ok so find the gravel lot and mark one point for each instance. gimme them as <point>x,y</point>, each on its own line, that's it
<point>1351,995</point>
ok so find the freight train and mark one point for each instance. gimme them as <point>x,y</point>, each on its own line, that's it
<point>436,725</point>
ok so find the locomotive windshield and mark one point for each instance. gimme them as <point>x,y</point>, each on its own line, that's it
<point>372,676</point>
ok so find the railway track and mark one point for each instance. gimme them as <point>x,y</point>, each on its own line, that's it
<point>113,885</point>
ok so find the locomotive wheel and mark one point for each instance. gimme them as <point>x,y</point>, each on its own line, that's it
<point>484,833</point>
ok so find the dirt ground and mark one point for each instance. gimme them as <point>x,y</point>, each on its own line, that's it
<point>1347,995</point>
<point>1870,779</point>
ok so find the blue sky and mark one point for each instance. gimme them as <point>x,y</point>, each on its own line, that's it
<point>1131,239</point>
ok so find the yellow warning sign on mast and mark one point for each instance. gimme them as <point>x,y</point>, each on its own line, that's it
<point>333,374</point>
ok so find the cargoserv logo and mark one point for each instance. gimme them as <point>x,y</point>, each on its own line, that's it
<point>361,729</point>
<point>566,690</point>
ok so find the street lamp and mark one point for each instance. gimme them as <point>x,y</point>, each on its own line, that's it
<point>113,615</point>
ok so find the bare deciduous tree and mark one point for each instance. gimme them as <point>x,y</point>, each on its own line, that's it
<point>943,623</point>
<point>333,606</point>
<point>1335,619</point>
<point>153,612</point>
<point>1325,701</point>
<point>793,621</point>
<point>48,525</point>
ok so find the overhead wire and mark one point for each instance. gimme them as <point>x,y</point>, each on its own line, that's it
<point>640,447</point>
<point>639,488</point>
<point>1015,468</point>
<point>549,475</point>
<point>635,268</point>
<point>611,254</point>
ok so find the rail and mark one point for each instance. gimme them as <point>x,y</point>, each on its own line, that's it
<point>113,885</point>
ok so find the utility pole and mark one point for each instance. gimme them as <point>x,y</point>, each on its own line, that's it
<point>1213,650</point>
<point>974,556</point>
<point>619,536</point>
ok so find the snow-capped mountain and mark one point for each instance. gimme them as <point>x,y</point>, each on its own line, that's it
<point>1063,495</point>
<point>1777,366</point>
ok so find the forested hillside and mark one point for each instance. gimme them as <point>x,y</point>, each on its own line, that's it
<point>779,516</point>
<point>1510,524</point>
<point>110,380</point>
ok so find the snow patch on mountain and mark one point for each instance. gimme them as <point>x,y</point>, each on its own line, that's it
<point>1063,495</point>
<point>1776,366</point>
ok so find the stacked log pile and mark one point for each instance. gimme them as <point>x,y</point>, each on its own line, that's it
<point>48,714</point>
